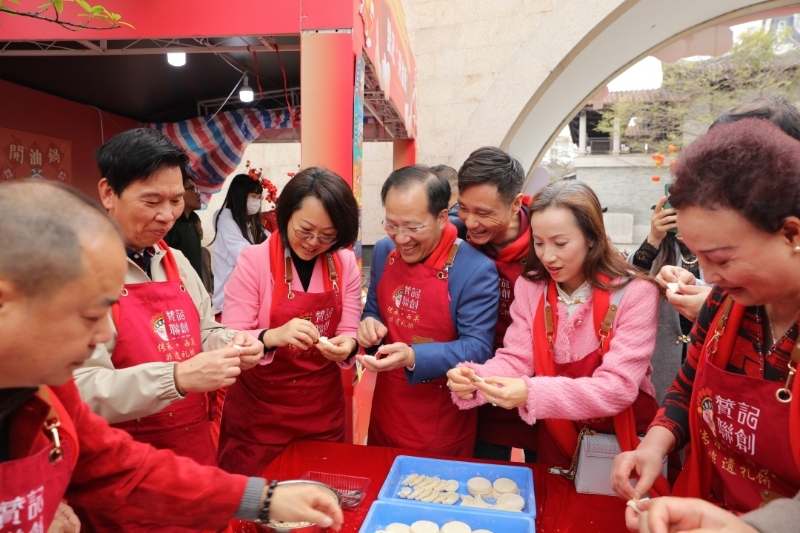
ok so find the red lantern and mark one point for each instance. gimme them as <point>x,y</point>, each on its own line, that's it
<point>672,149</point>
<point>656,178</point>
<point>659,159</point>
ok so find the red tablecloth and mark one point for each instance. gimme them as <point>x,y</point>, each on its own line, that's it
<point>559,509</point>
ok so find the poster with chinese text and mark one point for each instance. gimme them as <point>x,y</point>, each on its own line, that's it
<point>27,155</point>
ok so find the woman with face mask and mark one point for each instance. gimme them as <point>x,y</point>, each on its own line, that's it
<point>237,224</point>
<point>300,293</point>
<point>593,325</point>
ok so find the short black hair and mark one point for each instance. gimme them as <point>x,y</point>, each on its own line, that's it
<point>335,195</point>
<point>437,187</point>
<point>775,109</point>
<point>135,155</point>
<point>492,166</point>
<point>448,173</point>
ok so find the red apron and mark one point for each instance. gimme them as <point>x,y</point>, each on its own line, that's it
<point>157,322</point>
<point>299,395</point>
<point>740,454</point>
<point>558,439</point>
<point>495,424</point>
<point>412,299</point>
<point>32,486</point>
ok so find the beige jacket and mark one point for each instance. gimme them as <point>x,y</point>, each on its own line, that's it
<point>124,394</point>
<point>779,516</point>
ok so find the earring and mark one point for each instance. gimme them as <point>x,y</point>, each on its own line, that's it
<point>797,248</point>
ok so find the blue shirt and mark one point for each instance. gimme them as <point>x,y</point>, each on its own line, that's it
<point>474,297</point>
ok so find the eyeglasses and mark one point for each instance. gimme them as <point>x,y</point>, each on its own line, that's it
<point>308,236</point>
<point>391,229</point>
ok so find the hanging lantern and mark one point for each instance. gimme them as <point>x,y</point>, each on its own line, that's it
<point>656,178</point>
<point>672,148</point>
<point>659,159</point>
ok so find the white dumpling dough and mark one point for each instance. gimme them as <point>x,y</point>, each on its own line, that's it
<point>325,341</point>
<point>424,526</point>
<point>397,527</point>
<point>674,287</point>
<point>503,485</point>
<point>513,501</point>
<point>479,485</point>
<point>456,527</point>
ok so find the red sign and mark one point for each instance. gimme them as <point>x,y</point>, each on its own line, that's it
<point>27,155</point>
<point>388,49</point>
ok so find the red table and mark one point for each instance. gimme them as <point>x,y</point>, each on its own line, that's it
<point>559,509</point>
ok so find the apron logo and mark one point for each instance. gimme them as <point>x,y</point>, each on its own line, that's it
<point>706,408</point>
<point>159,326</point>
<point>397,295</point>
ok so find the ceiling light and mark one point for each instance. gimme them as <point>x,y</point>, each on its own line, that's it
<point>177,59</point>
<point>245,93</point>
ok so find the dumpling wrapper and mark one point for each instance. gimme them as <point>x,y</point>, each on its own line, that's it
<point>674,287</point>
<point>397,527</point>
<point>456,527</point>
<point>325,341</point>
<point>424,526</point>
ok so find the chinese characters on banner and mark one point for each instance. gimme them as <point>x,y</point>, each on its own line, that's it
<point>26,155</point>
<point>389,52</point>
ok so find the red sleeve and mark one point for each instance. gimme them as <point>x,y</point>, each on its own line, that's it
<point>127,480</point>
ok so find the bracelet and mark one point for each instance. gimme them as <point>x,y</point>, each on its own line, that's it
<point>261,340</point>
<point>263,516</point>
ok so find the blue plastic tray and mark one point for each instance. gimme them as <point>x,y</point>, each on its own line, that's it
<point>383,513</point>
<point>461,472</point>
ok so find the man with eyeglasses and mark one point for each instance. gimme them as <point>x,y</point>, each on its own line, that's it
<point>150,379</point>
<point>184,235</point>
<point>432,304</point>
<point>491,204</point>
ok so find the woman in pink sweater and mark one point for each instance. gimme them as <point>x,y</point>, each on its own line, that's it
<point>553,365</point>
<point>293,291</point>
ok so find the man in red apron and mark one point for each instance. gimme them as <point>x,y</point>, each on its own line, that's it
<point>61,269</point>
<point>152,379</point>
<point>492,206</point>
<point>432,304</point>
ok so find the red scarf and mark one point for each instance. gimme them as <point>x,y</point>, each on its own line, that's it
<point>563,431</point>
<point>277,266</point>
<point>439,255</point>
<point>695,479</point>
<point>521,247</point>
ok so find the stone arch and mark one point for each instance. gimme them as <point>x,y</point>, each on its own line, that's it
<point>563,75</point>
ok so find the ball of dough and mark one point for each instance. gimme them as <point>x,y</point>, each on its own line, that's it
<point>456,527</point>
<point>424,526</point>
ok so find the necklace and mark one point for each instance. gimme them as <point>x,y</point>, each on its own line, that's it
<point>691,261</point>
<point>775,340</point>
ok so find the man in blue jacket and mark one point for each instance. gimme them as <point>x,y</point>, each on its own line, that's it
<point>419,273</point>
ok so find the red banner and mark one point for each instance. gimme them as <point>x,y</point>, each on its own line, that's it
<point>27,155</point>
<point>387,47</point>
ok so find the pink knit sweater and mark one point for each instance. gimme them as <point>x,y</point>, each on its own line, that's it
<point>613,386</point>
<point>248,294</point>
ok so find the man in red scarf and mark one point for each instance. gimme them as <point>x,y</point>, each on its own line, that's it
<point>491,204</point>
<point>418,274</point>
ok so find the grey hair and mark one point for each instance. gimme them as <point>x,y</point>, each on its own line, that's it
<point>42,225</point>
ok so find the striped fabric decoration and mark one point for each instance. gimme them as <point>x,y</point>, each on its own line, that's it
<point>215,145</point>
